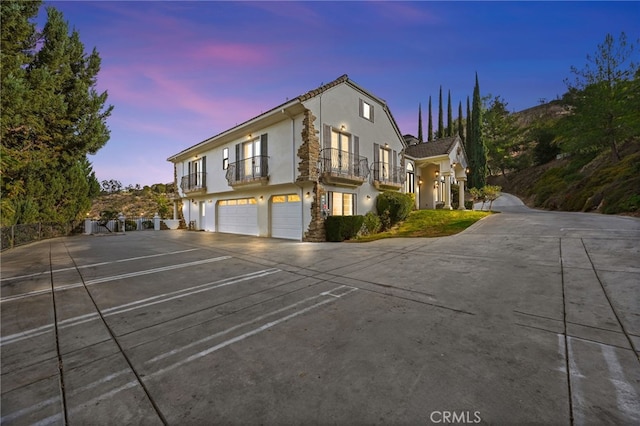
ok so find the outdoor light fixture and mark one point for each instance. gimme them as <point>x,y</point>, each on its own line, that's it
<point>368,197</point>
<point>467,170</point>
<point>437,173</point>
<point>261,198</point>
<point>308,194</point>
<point>420,182</point>
<point>343,127</point>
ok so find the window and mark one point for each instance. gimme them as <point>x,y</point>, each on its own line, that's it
<point>250,150</point>
<point>342,204</point>
<point>279,199</point>
<point>384,163</point>
<point>340,156</point>
<point>225,159</point>
<point>410,183</point>
<point>366,110</point>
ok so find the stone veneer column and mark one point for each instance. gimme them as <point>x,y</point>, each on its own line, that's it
<point>309,154</point>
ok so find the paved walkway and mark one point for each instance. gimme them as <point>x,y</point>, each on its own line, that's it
<point>526,317</point>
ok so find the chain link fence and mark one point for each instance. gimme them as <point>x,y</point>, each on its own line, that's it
<point>16,235</point>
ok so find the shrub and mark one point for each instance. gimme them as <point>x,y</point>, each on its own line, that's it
<point>340,228</point>
<point>394,204</point>
<point>372,223</point>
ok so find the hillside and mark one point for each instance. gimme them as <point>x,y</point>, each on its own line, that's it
<point>143,203</point>
<point>588,183</point>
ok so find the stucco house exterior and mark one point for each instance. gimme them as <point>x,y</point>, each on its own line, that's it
<point>330,151</point>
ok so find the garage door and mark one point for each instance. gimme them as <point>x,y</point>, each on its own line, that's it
<point>238,216</point>
<point>286,216</point>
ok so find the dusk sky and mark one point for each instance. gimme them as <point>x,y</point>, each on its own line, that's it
<point>180,72</point>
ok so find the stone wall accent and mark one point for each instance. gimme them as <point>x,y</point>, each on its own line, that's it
<point>309,151</point>
<point>316,232</point>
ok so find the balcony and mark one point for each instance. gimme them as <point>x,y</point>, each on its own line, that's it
<point>194,183</point>
<point>343,167</point>
<point>249,171</point>
<point>387,177</point>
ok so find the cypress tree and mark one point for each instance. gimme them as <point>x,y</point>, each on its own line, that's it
<point>478,157</point>
<point>449,115</point>
<point>430,135</point>
<point>460,128</point>
<point>440,117</point>
<point>420,139</point>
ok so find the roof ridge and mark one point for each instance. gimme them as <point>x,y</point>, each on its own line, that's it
<point>315,92</point>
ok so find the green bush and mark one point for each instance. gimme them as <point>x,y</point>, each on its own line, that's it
<point>340,228</point>
<point>372,223</point>
<point>394,204</point>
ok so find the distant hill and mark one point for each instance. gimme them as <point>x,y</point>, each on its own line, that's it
<point>134,203</point>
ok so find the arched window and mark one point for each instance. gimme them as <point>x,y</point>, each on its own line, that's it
<point>409,187</point>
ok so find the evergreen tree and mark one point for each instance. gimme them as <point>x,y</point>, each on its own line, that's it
<point>500,133</point>
<point>449,116</point>
<point>440,117</point>
<point>52,117</point>
<point>604,100</point>
<point>430,135</point>
<point>460,126</point>
<point>467,143</point>
<point>478,156</point>
<point>420,138</point>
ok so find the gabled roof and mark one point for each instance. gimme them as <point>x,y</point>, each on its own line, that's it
<point>432,149</point>
<point>289,104</point>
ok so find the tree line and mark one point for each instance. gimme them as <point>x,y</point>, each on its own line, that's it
<point>601,104</point>
<point>52,117</point>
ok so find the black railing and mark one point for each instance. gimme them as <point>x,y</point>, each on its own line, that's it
<point>194,182</point>
<point>335,162</point>
<point>386,174</point>
<point>248,170</point>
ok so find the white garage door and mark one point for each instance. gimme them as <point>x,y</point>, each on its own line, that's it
<point>238,216</point>
<point>286,216</point>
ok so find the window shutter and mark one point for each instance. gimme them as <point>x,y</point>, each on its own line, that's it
<point>356,155</point>
<point>264,171</point>
<point>376,161</point>
<point>326,136</point>
<point>238,165</point>
<point>329,203</point>
<point>203,179</point>
<point>361,108</point>
<point>354,207</point>
<point>371,113</point>
<point>394,164</point>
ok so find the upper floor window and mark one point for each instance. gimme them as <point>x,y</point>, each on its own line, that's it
<point>225,159</point>
<point>366,110</point>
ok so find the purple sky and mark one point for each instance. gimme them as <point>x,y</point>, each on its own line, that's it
<point>179,72</point>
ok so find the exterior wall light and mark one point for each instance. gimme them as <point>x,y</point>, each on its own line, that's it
<point>368,197</point>
<point>307,195</point>
<point>437,173</point>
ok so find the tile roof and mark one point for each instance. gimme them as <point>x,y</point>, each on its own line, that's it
<point>432,149</point>
<point>315,92</point>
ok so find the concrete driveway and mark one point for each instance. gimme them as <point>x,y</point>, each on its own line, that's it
<point>526,317</point>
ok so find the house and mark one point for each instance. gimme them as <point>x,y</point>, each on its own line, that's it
<point>330,151</point>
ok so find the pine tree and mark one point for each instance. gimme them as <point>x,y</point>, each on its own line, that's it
<point>440,117</point>
<point>420,138</point>
<point>430,135</point>
<point>52,118</point>
<point>449,116</point>
<point>478,156</point>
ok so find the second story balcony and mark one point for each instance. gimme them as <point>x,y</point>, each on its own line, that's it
<point>386,176</point>
<point>343,167</point>
<point>249,171</point>
<point>194,183</point>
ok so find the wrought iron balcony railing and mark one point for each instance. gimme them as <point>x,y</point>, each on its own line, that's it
<point>248,170</point>
<point>194,182</point>
<point>387,176</point>
<point>343,167</point>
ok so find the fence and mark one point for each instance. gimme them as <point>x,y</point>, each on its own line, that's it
<point>17,235</point>
<point>138,224</point>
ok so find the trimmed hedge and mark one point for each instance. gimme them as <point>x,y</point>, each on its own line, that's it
<point>395,206</point>
<point>340,228</point>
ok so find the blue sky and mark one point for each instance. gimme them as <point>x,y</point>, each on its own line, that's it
<point>179,72</point>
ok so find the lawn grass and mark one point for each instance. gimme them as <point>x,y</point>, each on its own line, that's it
<point>430,223</point>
